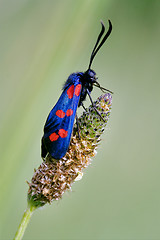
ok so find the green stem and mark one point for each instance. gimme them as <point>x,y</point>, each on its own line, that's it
<point>24,222</point>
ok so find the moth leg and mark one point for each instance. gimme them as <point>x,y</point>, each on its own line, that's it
<point>83,106</point>
<point>94,106</point>
<point>78,128</point>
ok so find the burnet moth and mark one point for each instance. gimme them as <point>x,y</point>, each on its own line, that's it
<point>59,124</point>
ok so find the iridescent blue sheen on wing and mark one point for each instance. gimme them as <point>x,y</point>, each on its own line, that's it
<point>59,124</point>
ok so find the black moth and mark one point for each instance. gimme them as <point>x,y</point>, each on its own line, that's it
<point>59,124</point>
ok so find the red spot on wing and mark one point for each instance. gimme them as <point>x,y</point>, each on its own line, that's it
<point>69,112</point>
<point>63,133</point>
<point>78,90</point>
<point>60,113</point>
<point>53,137</point>
<point>70,91</point>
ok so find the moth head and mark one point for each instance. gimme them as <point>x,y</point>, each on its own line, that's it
<point>90,75</point>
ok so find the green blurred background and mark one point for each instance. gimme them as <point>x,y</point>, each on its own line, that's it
<point>41,43</point>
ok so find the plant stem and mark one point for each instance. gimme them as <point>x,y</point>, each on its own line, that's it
<point>24,222</point>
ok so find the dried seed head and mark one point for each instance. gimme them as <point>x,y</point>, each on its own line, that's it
<point>54,177</point>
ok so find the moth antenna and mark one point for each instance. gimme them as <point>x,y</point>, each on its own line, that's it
<point>96,47</point>
<point>98,39</point>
